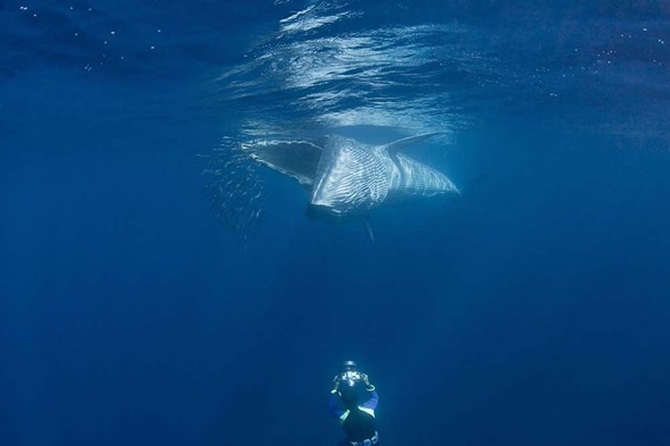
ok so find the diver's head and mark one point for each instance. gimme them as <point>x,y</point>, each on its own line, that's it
<point>349,366</point>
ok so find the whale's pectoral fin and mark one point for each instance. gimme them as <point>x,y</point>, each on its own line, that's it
<point>368,226</point>
<point>396,146</point>
<point>296,159</point>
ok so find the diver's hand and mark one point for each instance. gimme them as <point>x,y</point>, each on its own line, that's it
<point>369,387</point>
<point>336,384</point>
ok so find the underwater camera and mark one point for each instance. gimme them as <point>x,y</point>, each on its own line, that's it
<point>351,377</point>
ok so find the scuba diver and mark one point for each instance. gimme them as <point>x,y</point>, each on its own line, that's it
<point>353,400</point>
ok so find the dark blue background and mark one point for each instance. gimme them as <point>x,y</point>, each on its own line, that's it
<point>531,310</point>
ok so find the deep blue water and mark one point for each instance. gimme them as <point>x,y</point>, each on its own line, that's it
<point>533,309</point>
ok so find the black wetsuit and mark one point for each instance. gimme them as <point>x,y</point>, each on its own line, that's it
<point>359,425</point>
<point>358,422</point>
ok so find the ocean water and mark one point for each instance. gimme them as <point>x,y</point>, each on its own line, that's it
<point>157,288</point>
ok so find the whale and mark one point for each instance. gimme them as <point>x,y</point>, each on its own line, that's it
<point>348,178</point>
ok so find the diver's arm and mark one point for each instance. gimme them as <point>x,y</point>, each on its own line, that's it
<point>334,406</point>
<point>373,397</point>
<point>372,401</point>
